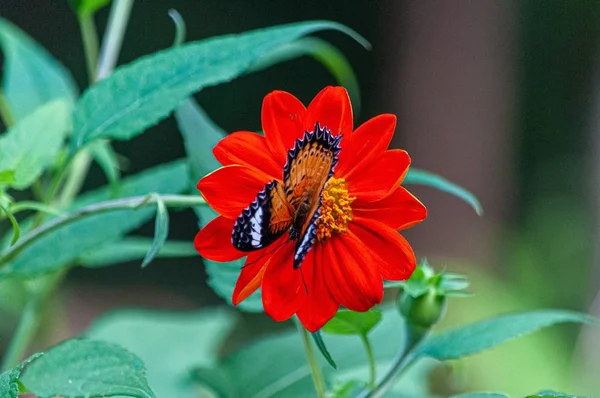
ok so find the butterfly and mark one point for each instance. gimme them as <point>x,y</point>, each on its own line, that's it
<point>294,205</point>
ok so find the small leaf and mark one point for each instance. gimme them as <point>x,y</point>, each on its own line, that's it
<point>350,322</point>
<point>161,230</point>
<point>548,393</point>
<point>422,177</point>
<point>106,157</point>
<point>9,380</point>
<point>32,77</point>
<point>323,348</point>
<point>88,7</point>
<point>134,248</point>
<point>87,368</point>
<point>14,223</point>
<point>7,177</point>
<point>33,143</point>
<point>171,344</point>
<point>136,96</point>
<point>480,395</point>
<point>479,336</point>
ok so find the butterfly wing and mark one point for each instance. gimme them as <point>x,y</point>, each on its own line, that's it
<point>267,218</point>
<point>309,165</point>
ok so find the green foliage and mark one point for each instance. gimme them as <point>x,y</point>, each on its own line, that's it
<point>422,177</point>
<point>32,144</point>
<point>88,7</point>
<point>350,322</point>
<point>14,223</point>
<point>479,336</point>
<point>106,157</point>
<point>134,248</point>
<point>200,135</point>
<point>142,93</point>
<point>318,339</point>
<point>161,231</point>
<point>9,380</point>
<point>32,77</point>
<point>171,345</point>
<point>548,393</point>
<point>480,395</point>
<point>56,249</point>
<point>7,177</point>
<point>86,368</point>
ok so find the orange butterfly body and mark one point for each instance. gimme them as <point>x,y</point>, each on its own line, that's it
<point>292,206</point>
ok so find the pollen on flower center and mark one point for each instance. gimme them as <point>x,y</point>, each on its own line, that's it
<point>336,209</point>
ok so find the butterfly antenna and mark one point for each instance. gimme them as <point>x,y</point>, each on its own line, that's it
<point>264,255</point>
<point>304,281</point>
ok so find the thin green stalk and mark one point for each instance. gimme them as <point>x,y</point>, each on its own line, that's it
<point>404,359</point>
<point>5,112</point>
<point>315,369</point>
<point>135,202</point>
<point>89,36</point>
<point>371,358</point>
<point>113,38</point>
<point>26,329</point>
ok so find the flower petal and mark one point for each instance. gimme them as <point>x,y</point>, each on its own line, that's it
<point>331,108</point>
<point>251,275</point>
<point>320,306</point>
<point>247,149</point>
<point>399,210</point>
<point>366,144</point>
<point>283,291</point>
<point>230,189</point>
<point>352,274</point>
<point>376,180</point>
<point>393,253</point>
<point>213,242</point>
<point>282,121</point>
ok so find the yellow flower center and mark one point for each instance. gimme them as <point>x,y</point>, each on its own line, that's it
<point>336,209</point>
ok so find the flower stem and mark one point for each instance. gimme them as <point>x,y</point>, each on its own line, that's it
<point>89,37</point>
<point>135,202</point>
<point>113,38</point>
<point>403,360</point>
<point>315,369</point>
<point>371,357</point>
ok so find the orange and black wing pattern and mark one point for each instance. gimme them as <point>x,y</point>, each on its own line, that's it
<point>309,165</point>
<point>267,218</point>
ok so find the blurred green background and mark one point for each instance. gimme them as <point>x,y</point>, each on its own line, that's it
<point>501,97</point>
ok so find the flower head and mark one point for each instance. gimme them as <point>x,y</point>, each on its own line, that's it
<point>316,207</point>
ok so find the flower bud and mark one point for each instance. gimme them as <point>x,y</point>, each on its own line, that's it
<point>424,310</point>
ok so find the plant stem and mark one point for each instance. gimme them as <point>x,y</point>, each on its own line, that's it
<point>315,369</point>
<point>5,112</point>
<point>403,360</point>
<point>135,202</point>
<point>371,358</point>
<point>89,36</point>
<point>113,38</point>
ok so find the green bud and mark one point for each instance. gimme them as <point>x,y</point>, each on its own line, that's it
<point>424,310</point>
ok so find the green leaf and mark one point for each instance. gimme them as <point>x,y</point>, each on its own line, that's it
<point>170,344</point>
<point>548,393</point>
<point>103,153</point>
<point>134,248</point>
<point>200,135</point>
<point>9,380</point>
<point>350,322</point>
<point>276,366</point>
<point>479,336</point>
<point>33,143</point>
<point>14,223</point>
<point>87,368</point>
<point>57,248</point>
<point>88,7</point>
<point>7,177</point>
<point>422,177</point>
<point>32,77</point>
<point>327,54</point>
<point>323,348</point>
<point>136,96</point>
<point>161,231</point>
<point>480,395</point>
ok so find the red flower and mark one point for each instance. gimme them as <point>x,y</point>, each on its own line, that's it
<point>353,243</point>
